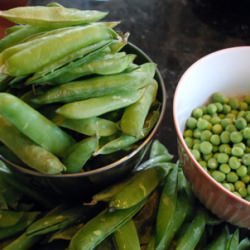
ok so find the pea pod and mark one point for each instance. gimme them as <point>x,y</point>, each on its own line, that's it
<point>93,126</point>
<point>141,185</point>
<point>9,218</point>
<point>34,156</point>
<point>98,106</point>
<point>158,149</point>
<point>220,242</point>
<point>51,16</point>
<point>26,219</point>
<point>73,40</point>
<point>134,116</point>
<point>23,242</point>
<point>151,244</point>
<point>124,141</point>
<point>34,125</point>
<point>13,28</point>
<point>101,226</point>
<point>106,64</point>
<point>79,154</point>
<point>193,232</point>
<point>233,241</point>
<point>126,237</point>
<point>97,86</point>
<point>244,244</point>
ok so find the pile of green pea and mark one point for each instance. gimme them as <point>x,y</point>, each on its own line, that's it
<point>218,135</point>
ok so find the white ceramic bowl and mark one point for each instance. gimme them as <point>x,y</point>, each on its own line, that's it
<point>226,71</point>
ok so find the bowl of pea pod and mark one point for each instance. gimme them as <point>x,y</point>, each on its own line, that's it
<point>212,119</point>
<point>79,104</point>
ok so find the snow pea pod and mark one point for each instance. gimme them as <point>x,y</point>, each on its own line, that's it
<point>233,241</point>
<point>52,16</point>
<point>13,28</point>
<point>34,125</point>
<point>38,55</point>
<point>101,226</point>
<point>79,154</point>
<point>126,237</point>
<point>220,242</point>
<point>106,64</point>
<point>193,232</point>
<point>134,116</point>
<point>33,155</point>
<point>98,106</point>
<point>93,126</point>
<point>19,35</point>
<point>97,86</point>
<point>141,185</point>
<point>9,218</point>
<point>26,219</point>
<point>124,141</point>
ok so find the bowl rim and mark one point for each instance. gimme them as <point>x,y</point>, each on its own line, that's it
<point>179,133</point>
<point>126,157</point>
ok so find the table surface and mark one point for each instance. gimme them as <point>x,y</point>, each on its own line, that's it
<point>175,33</point>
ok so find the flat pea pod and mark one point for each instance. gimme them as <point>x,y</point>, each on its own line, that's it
<point>220,242</point>
<point>19,35</point>
<point>33,155</point>
<point>79,154</point>
<point>97,86</point>
<point>53,16</point>
<point>99,105</point>
<point>73,40</point>
<point>134,116</point>
<point>141,185</point>
<point>93,126</point>
<point>167,207</point>
<point>9,218</point>
<point>124,141</point>
<point>106,64</point>
<point>23,242</point>
<point>57,219</point>
<point>193,232</point>
<point>126,237</point>
<point>101,226</point>
<point>233,241</point>
<point>14,28</point>
<point>26,219</point>
<point>158,149</point>
<point>34,125</point>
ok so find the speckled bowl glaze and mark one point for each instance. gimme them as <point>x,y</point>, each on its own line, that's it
<point>225,71</point>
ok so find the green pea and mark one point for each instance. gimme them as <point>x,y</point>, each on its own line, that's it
<point>237,151</point>
<point>239,184</point>
<point>230,128</point>
<point>243,106</point>
<point>227,186</point>
<point>246,159</point>
<point>215,139</point>
<point>234,103</point>
<point>196,154</point>
<point>188,133</point>
<point>196,133</point>
<point>197,113</point>
<point>206,147</point>
<point>205,135</point>
<point>217,128</point>
<point>226,108</point>
<point>236,137</point>
<point>196,146</point>
<point>219,97</point>
<point>225,148</point>
<point>234,162</point>
<point>219,106</point>
<point>206,157</point>
<point>224,168</point>
<point>222,158</point>
<point>211,109</point>
<point>225,137</point>
<point>241,114</point>
<point>242,192</point>
<point>207,117</point>
<point>232,177</point>
<point>242,171</point>
<point>189,142</point>
<point>215,149</point>
<point>212,163</point>
<point>225,122</point>
<point>215,119</point>
<point>240,145</point>
<point>237,194</point>
<point>240,123</point>
<point>246,179</point>
<point>202,124</point>
<point>203,164</point>
<point>218,176</point>
<point>246,133</point>
<point>247,116</point>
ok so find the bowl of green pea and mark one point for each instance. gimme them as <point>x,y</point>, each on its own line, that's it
<point>212,119</point>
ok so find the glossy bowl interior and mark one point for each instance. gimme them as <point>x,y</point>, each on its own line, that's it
<point>225,71</point>
<point>86,183</point>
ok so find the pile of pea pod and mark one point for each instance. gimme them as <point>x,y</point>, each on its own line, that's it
<point>152,209</point>
<point>68,91</point>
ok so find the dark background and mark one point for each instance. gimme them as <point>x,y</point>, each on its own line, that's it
<point>175,33</point>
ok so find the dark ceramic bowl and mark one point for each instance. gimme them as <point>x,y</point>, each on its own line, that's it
<point>225,71</point>
<point>102,174</point>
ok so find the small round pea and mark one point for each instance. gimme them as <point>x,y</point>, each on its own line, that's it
<point>189,142</point>
<point>203,164</point>
<point>234,103</point>
<point>232,177</point>
<point>224,168</point>
<point>243,106</point>
<point>241,145</point>
<point>237,194</point>
<point>215,119</point>
<point>206,147</point>
<point>243,192</point>
<point>191,123</point>
<point>217,128</point>
<point>215,140</point>
<point>241,114</point>
<point>212,163</point>
<point>205,135</point>
<point>225,148</point>
<point>241,171</point>
<point>234,162</point>
<point>246,159</point>
<point>236,137</point>
<point>196,146</point>
<point>218,176</point>
<point>197,133</point>
<point>247,116</point>
<point>188,133</point>
<point>246,179</point>
<point>207,117</point>
<point>222,158</point>
<point>202,124</point>
<point>219,97</point>
<point>226,108</point>
<point>239,184</point>
<point>197,113</point>
<point>225,137</point>
<point>230,128</point>
<point>207,157</point>
<point>227,186</point>
<point>246,133</point>
<point>215,149</point>
<point>241,123</point>
<point>219,106</point>
<point>225,122</point>
<point>211,108</point>
<point>196,154</point>
<point>237,151</point>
